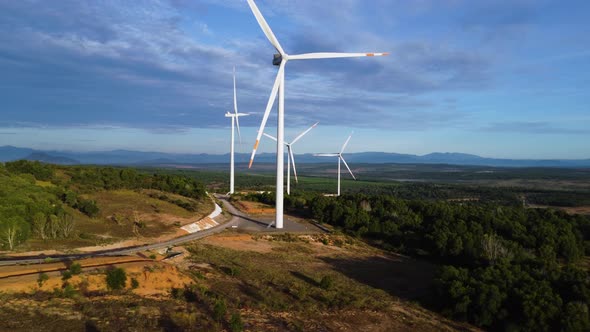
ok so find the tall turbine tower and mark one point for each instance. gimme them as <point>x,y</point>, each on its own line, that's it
<point>291,156</point>
<point>281,60</point>
<point>234,121</point>
<point>340,158</point>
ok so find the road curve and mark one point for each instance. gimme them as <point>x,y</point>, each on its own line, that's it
<point>236,216</point>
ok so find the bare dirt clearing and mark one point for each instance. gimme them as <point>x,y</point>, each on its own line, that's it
<point>155,278</point>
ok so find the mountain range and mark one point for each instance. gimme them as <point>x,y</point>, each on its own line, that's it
<point>138,158</point>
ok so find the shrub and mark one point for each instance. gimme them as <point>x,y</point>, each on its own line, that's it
<point>43,277</point>
<point>134,283</point>
<point>236,323</point>
<point>327,282</point>
<point>116,278</point>
<point>88,207</point>
<point>65,275</point>
<point>219,310</point>
<point>69,291</point>
<point>76,268</point>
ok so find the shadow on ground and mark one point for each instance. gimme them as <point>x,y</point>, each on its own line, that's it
<point>401,277</point>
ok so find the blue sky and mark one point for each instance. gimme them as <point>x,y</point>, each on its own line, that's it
<point>491,77</point>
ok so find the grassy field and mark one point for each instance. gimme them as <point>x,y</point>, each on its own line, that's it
<point>555,187</point>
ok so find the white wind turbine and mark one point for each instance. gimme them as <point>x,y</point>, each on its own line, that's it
<point>339,155</point>
<point>281,60</point>
<point>234,121</point>
<point>291,157</point>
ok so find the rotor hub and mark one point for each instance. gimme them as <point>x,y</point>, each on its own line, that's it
<point>277,59</point>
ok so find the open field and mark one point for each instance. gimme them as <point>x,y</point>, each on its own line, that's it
<point>556,187</point>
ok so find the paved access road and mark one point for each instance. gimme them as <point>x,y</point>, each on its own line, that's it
<point>238,219</point>
<point>132,250</point>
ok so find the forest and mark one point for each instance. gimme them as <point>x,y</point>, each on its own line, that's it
<point>501,267</point>
<point>34,196</point>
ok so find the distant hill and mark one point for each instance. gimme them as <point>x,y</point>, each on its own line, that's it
<point>138,158</point>
<point>47,158</point>
<point>8,153</point>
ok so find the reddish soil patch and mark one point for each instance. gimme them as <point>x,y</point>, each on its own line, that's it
<point>239,242</point>
<point>585,210</point>
<point>254,208</point>
<point>155,278</point>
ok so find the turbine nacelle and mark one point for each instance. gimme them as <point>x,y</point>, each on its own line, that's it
<point>277,59</point>
<point>235,115</point>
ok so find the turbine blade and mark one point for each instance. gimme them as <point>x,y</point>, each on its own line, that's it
<point>235,94</point>
<point>265,27</point>
<point>269,136</point>
<point>345,164</point>
<point>303,133</point>
<point>326,55</point>
<point>238,126</point>
<point>293,162</point>
<point>326,155</point>
<point>271,100</point>
<point>236,107</point>
<point>345,143</point>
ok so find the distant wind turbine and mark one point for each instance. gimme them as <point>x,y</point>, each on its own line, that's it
<point>235,121</point>
<point>340,157</point>
<point>291,156</point>
<point>281,60</point>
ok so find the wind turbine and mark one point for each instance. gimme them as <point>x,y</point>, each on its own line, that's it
<point>234,121</point>
<point>281,60</point>
<point>291,157</point>
<point>339,155</point>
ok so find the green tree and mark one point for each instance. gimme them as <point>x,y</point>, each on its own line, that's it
<point>116,278</point>
<point>13,231</point>
<point>575,317</point>
<point>39,220</point>
<point>88,207</point>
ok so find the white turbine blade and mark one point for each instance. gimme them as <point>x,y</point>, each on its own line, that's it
<point>265,27</point>
<point>238,126</point>
<point>269,136</point>
<point>326,155</point>
<point>293,162</point>
<point>345,164</point>
<point>309,56</point>
<point>236,107</point>
<point>345,143</point>
<point>303,133</point>
<point>235,94</point>
<point>271,100</point>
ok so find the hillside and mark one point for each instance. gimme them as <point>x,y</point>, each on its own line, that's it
<point>232,282</point>
<point>49,207</point>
